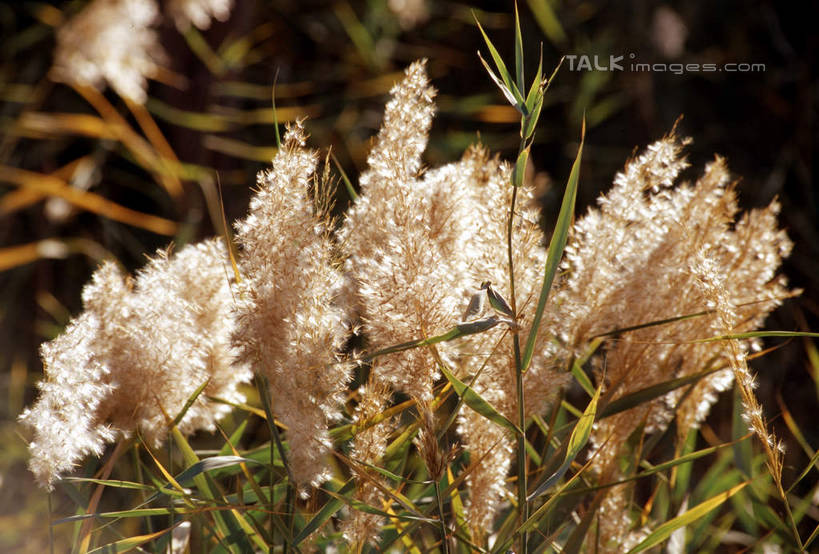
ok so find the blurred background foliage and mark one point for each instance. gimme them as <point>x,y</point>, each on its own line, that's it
<point>334,62</point>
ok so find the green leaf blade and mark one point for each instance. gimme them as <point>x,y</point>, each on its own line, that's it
<point>556,246</point>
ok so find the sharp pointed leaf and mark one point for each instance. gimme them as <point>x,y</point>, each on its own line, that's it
<point>664,531</point>
<point>477,402</point>
<point>559,237</point>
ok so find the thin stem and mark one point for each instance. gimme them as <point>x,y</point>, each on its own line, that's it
<point>444,539</point>
<point>50,526</point>
<point>523,507</point>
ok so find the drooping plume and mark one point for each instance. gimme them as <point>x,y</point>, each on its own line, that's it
<point>639,258</point>
<point>135,356</point>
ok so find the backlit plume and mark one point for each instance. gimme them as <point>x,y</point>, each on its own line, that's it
<point>110,41</point>
<point>198,12</point>
<point>135,356</point>
<point>290,327</point>
<point>419,245</point>
<point>653,251</point>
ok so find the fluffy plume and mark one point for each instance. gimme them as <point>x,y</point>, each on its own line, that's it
<point>198,12</point>
<point>401,237</point>
<point>290,328</point>
<point>489,355</point>
<point>639,258</point>
<point>134,357</point>
<point>110,41</point>
<point>419,247</point>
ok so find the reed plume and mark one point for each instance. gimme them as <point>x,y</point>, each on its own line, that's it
<point>641,256</point>
<point>134,357</point>
<point>290,326</point>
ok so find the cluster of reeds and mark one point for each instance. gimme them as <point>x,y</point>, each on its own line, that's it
<point>456,426</point>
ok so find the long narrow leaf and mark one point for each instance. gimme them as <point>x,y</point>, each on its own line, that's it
<point>518,51</point>
<point>477,402</point>
<point>578,439</point>
<point>327,511</point>
<point>664,531</point>
<point>458,331</point>
<point>517,100</point>
<point>126,545</point>
<point>556,246</point>
<point>643,395</point>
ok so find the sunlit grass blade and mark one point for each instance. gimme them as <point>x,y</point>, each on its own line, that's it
<point>211,464</point>
<point>348,431</point>
<point>664,531</point>
<point>199,46</point>
<point>458,331</point>
<point>664,466</point>
<point>327,511</point>
<point>110,483</point>
<point>577,367</point>
<point>759,334</point>
<point>543,510</point>
<point>518,51</point>
<point>560,236</point>
<point>457,506</point>
<point>164,152</point>
<point>812,465</point>
<point>509,88</point>
<point>519,170</point>
<point>126,545</point>
<point>577,441</point>
<point>477,402</point>
<point>646,394</point>
<point>53,186</point>
<point>812,536</point>
<point>348,185</point>
<point>53,125</point>
<point>138,512</point>
<point>228,524</point>
<point>275,115</point>
<point>188,403</point>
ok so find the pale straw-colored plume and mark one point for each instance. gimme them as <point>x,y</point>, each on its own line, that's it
<point>135,356</point>
<point>198,12</point>
<point>290,327</point>
<point>110,41</point>
<point>419,248</point>
<point>639,258</point>
<point>402,237</point>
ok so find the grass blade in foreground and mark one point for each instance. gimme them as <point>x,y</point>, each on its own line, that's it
<point>664,531</point>
<point>476,401</point>
<point>556,246</point>
<point>578,439</point>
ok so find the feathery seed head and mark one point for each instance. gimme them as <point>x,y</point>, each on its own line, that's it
<point>290,327</point>
<point>138,352</point>
<point>110,41</point>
